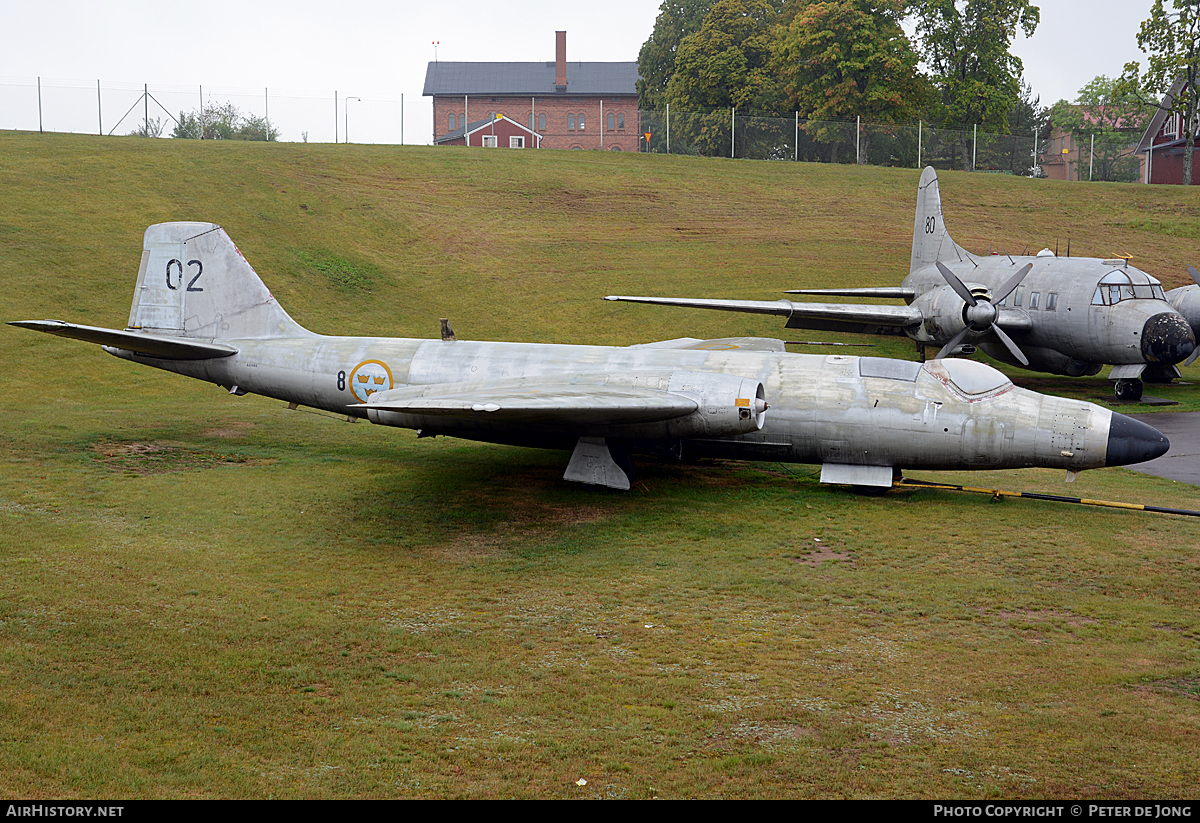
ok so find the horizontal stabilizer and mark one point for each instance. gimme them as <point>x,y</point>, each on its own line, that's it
<point>879,293</point>
<point>535,404</point>
<point>151,345</point>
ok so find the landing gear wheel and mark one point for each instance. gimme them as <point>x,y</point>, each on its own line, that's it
<point>1128,390</point>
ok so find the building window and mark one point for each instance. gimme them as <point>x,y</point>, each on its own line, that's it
<point>571,122</point>
<point>516,142</point>
<point>452,124</point>
<point>612,122</point>
<point>621,121</point>
<point>489,141</point>
<point>581,121</point>
<point>541,122</point>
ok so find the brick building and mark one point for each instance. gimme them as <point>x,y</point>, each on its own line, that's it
<point>567,105</point>
<point>1163,145</point>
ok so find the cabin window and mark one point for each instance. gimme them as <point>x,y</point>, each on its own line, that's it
<point>888,369</point>
<point>1033,299</point>
<point>1051,301</point>
<point>489,141</point>
<point>1017,297</point>
<point>516,142</point>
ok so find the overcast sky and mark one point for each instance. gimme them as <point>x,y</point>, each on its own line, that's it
<point>290,57</point>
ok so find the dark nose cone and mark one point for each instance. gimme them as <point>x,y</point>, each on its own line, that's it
<point>1132,441</point>
<point>1167,338</point>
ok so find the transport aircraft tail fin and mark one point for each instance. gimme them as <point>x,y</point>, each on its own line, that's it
<point>931,241</point>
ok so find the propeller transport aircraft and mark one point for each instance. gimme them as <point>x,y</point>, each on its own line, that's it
<point>1068,316</point>
<point>200,310</point>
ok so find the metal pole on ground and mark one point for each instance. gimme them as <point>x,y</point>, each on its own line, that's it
<point>99,111</point>
<point>732,130</point>
<point>1091,156</point>
<point>857,142</point>
<point>40,106</point>
<point>796,138</point>
<point>974,145</point>
<point>668,128</point>
<point>919,136</point>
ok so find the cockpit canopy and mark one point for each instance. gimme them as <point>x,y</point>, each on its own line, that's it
<point>1127,284</point>
<point>969,378</point>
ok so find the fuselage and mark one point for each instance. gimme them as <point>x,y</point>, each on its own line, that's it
<point>1068,315</point>
<point>822,409</point>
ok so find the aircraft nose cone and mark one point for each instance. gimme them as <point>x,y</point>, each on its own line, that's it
<point>1167,338</point>
<point>1132,441</point>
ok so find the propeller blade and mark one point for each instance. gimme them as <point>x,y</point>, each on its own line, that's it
<point>955,341</point>
<point>1195,353</point>
<point>1012,283</point>
<point>1010,345</point>
<point>1195,274</point>
<point>956,284</point>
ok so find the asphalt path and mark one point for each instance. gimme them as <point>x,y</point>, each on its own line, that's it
<point>1182,460</point>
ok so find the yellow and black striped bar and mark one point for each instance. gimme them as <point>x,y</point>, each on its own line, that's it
<point>907,483</point>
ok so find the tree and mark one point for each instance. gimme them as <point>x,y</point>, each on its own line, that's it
<point>726,65</point>
<point>150,128</point>
<point>846,58</point>
<point>656,60</point>
<point>1110,116</point>
<point>966,44</point>
<point>225,122</point>
<point>1171,39</point>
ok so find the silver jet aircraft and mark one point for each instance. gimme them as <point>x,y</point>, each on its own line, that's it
<point>1069,315</point>
<point>200,310</point>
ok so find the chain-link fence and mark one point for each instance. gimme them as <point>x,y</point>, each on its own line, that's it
<point>325,117</point>
<point>725,133</point>
<point>38,104</point>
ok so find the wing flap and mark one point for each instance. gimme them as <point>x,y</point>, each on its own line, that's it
<point>151,345</point>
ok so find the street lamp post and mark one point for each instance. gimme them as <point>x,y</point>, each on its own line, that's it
<point>348,99</point>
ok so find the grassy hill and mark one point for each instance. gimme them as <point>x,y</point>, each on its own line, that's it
<point>208,596</point>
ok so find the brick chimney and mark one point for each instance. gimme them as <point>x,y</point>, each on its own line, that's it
<point>560,61</point>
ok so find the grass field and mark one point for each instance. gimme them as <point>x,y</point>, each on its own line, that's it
<point>209,596</point>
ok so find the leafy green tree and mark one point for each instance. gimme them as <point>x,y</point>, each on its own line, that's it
<point>1171,39</point>
<point>225,122</point>
<point>846,58</point>
<point>726,65</point>
<point>656,60</point>
<point>1110,116</point>
<point>965,44</point>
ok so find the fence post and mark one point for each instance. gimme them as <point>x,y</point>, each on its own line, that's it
<point>796,140</point>
<point>857,144</point>
<point>99,110</point>
<point>974,146</point>
<point>40,106</point>
<point>335,109</point>
<point>1091,156</point>
<point>146,103</point>
<point>402,118</point>
<point>919,136</point>
<point>668,128</point>
<point>732,131</point>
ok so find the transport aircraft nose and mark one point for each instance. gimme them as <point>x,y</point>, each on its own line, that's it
<point>1132,441</point>
<point>1167,338</point>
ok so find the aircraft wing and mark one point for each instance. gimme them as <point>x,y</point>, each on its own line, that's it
<point>899,292</point>
<point>719,344</point>
<point>152,345</point>
<point>552,404</point>
<point>861,318</point>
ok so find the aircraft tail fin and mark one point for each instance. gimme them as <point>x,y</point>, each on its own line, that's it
<point>194,283</point>
<point>931,241</point>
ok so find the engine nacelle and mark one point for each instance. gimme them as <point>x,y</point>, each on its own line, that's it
<point>943,311</point>
<point>728,404</point>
